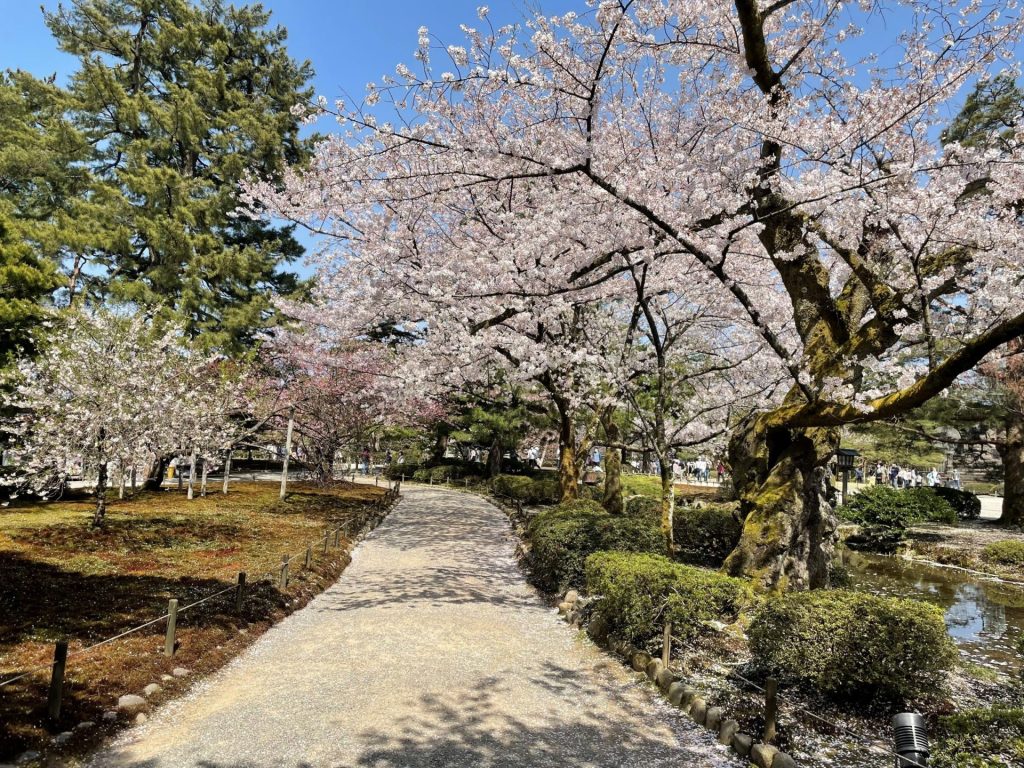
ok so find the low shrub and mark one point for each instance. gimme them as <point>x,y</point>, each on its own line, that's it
<point>542,490</point>
<point>930,505</point>
<point>562,538</point>
<point>639,592</point>
<point>644,506</point>
<point>705,535</point>
<point>884,514</point>
<point>853,645</point>
<point>397,471</point>
<point>1009,552</point>
<point>981,738</point>
<point>966,504</point>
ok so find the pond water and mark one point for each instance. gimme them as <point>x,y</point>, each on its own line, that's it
<point>984,618</point>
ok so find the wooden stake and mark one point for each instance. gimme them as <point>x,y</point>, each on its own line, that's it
<point>240,592</point>
<point>284,572</point>
<point>60,659</point>
<point>172,622</point>
<point>666,644</point>
<point>771,709</point>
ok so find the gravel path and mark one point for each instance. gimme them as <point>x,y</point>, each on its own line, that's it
<point>431,650</point>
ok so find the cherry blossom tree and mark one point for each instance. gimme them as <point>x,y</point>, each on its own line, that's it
<point>743,142</point>
<point>108,392</point>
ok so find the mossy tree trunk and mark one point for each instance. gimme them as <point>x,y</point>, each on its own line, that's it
<point>668,505</point>
<point>494,457</point>
<point>568,461</point>
<point>789,529</point>
<point>611,500</point>
<point>1012,452</point>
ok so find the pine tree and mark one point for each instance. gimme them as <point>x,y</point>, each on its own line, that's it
<point>180,102</point>
<point>988,118</point>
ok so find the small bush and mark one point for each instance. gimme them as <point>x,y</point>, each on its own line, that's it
<point>645,507</point>
<point>397,471</point>
<point>966,504</point>
<point>1009,552</point>
<point>562,538</point>
<point>884,514</point>
<point>981,738</point>
<point>853,645</point>
<point>542,490</point>
<point>706,535</point>
<point>640,591</point>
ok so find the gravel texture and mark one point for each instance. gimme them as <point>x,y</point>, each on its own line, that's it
<point>431,650</point>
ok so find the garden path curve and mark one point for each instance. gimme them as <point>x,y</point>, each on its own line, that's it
<point>431,650</point>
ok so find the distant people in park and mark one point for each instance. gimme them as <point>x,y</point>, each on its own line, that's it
<point>366,461</point>
<point>933,478</point>
<point>955,480</point>
<point>533,457</point>
<point>721,470</point>
<point>595,457</point>
<point>388,457</point>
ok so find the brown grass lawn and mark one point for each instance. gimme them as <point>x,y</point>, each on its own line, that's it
<point>61,578</point>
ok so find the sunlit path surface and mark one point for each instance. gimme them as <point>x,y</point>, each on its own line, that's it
<point>430,651</point>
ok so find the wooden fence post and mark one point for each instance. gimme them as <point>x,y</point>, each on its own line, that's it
<point>337,537</point>
<point>309,556</point>
<point>60,659</point>
<point>771,709</point>
<point>240,592</point>
<point>284,572</point>
<point>666,644</point>
<point>327,540</point>
<point>172,623</point>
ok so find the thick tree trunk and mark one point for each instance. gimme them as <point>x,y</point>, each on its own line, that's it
<point>789,529</point>
<point>494,456</point>
<point>156,474</point>
<point>440,447</point>
<point>1012,453</point>
<point>612,498</point>
<point>192,474</point>
<point>325,467</point>
<point>227,472</point>
<point>206,471</point>
<point>101,495</point>
<point>568,466</point>
<point>668,504</point>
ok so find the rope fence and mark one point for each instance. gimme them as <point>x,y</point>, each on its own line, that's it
<point>62,654</point>
<point>773,698</point>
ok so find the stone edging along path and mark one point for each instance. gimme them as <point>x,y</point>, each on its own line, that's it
<point>685,697</point>
<point>679,694</point>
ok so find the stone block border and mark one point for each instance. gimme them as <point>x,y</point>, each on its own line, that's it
<point>679,694</point>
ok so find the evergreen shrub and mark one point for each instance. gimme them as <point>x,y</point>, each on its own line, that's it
<point>706,535</point>
<point>981,738</point>
<point>639,592</point>
<point>853,645</point>
<point>529,490</point>
<point>563,537</point>
<point>1009,552</point>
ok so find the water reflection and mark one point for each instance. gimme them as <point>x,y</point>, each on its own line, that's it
<point>985,619</point>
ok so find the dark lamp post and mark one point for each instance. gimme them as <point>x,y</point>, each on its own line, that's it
<point>845,458</point>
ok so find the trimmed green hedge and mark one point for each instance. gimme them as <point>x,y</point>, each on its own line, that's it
<point>966,504</point>
<point>562,538</point>
<point>396,471</point>
<point>639,592</point>
<point>706,535</point>
<point>884,514</point>
<point>1009,552</point>
<point>981,738</point>
<point>853,645</point>
<point>543,490</point>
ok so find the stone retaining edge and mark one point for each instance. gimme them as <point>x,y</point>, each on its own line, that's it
<point>681,695</point>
